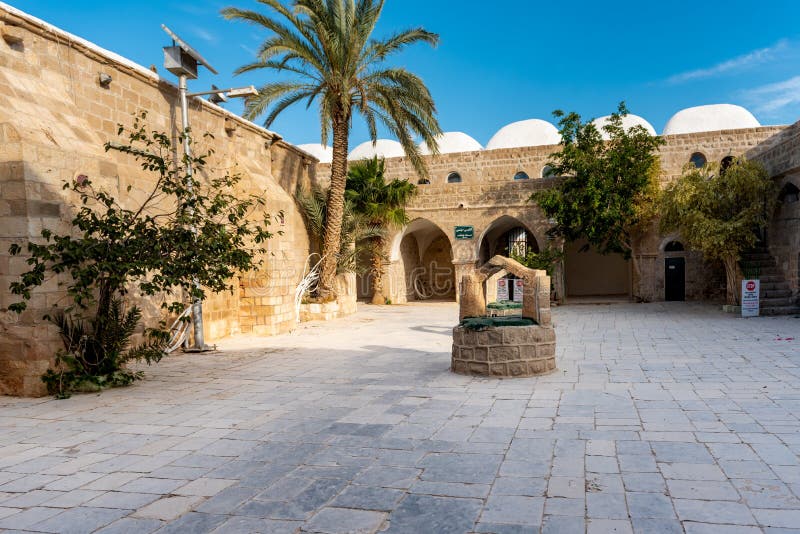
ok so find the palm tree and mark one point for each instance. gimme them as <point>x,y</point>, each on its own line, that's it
<point>326,48</point>
<point>382,204</point>
<point>356,229</point>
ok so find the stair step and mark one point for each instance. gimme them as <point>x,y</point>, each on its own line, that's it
<point>775,286</point>
<point>775,293</point>
<point>780,310</point>
<point>774,302</point>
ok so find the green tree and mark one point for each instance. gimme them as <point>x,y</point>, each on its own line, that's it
<point>608,189</point>
<point>717,212</point>
<point>327,49</point>
<point>546,260</point>
<point>184,230</point>
<point>383,205</point>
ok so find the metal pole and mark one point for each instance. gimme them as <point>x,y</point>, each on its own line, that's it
<point>197,304</point>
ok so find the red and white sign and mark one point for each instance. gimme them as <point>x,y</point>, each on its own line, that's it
<point>750,292</point>
<point>502,289</point>
<point>519,289</point>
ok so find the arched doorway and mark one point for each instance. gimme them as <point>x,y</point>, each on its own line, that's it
<point>506,236</point>
<point>423,263</point>
<point>587,273</point>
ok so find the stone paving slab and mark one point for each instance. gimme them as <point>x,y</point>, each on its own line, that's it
<point>661,418</point>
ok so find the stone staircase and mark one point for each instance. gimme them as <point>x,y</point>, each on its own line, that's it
<point>776,296</point>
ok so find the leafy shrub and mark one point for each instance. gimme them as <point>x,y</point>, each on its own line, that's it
<point>184,238</point>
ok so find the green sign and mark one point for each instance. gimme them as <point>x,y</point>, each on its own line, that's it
<point>465,232</point>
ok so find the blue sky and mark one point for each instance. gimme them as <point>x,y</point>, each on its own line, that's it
<point>500,62</point>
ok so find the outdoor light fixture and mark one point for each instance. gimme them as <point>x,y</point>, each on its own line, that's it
<point>222,95</point>
<point>183,61</point>
<point>217,98</point>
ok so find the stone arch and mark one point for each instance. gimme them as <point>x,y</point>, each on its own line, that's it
<point>670,239</point>
<point>421,265</point>
<point>698,160</point>
<point>488,244</point>
<point>789,194</point>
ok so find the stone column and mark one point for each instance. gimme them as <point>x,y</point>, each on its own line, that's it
<point>463,268</point>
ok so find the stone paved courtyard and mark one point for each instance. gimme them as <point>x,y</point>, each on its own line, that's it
<point>661,418</point>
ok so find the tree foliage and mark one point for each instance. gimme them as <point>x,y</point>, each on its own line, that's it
<point>328,56</point>
<point>546,260</point>
<point>717,211</point>
<point>383,204</point>
<point>607,190</point>
<point>356,229</point>
<point>183,231</point>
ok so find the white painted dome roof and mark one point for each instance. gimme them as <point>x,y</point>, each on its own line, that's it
<point>628,122</point>
<point>532,132</point>
<point>453,142</point>
<point>710,119</point>
<point>323,153</point>
<point>383,148</point>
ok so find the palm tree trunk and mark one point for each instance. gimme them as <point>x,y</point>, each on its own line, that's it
<point>331,243</point>
<point>377,273</point>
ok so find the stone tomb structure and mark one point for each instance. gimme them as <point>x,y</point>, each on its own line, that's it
<point>505,350</point>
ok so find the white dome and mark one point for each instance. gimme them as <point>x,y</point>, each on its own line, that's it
<point>383,148</point>
<point>710,119</point>
<point>628,122</point>
<point>323,153</point>
<point>453,142</point>
<point>533,132</point>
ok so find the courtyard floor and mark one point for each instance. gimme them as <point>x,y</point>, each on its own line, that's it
<point>661,418</point>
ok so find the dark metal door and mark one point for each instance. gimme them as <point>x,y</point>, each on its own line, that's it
<point>674,279</point>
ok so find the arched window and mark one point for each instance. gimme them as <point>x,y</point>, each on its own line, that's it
<point>453,178</point>
<point>521,176</point>
<point>674,246</point>
<point>423,181</point>
<point>548,172</point>
<point>698,159</point>
<point>789,194</point>
<point>725,164</point>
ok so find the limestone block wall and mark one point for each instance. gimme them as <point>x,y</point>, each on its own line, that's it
<point>488,192</point>
<point>781,157</point>
<point>54,119</point>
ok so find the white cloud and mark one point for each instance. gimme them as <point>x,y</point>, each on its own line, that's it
<point>747,61</point>
<point>205,35</point>
<point>250,51</point>
<point>772,98</point>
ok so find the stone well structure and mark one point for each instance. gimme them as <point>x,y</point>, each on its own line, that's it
<point>505,351</point>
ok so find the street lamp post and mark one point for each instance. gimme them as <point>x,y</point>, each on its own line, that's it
<point>182,60</point>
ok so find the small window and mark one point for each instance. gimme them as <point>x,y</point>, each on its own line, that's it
<point>725,164</point>
<point>453,178</point>
<point>548,172</point>
<point>674,246</point>
<point>521,176</point>
<point>423,181</point>
<point>789,194</point>
<point>698,160</point>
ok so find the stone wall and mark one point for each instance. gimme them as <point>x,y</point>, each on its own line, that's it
<point>489,193</point>
<point>781,157</point>
<point>54,119</point>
